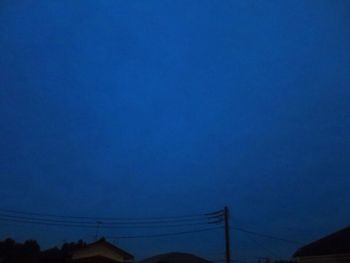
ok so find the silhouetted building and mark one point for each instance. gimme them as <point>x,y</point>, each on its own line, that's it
<point>333,248</point>
<point>101,251</point>
<point>175,257</point>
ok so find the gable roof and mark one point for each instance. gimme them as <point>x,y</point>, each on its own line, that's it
<point>174,257</point>
<point>118,250</point>
<point>335,243</point>
<point>94,259</point>
<point>67,251</point>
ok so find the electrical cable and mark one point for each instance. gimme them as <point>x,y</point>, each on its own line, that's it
<point>165,234</point>
<point>164,218</point>
<point>121,224</point>
<point>265,235</point>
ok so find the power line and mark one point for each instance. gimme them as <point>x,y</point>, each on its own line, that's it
<point>46,219</point>
<point>266,236</point>
<point>15,216</point>
<point>93,225</point>
<point>294,229</point>
<point>263,247</point>
<point>146,219</point>
<point>106,223</point>
<point>44,223</point>
<point>166,234</point>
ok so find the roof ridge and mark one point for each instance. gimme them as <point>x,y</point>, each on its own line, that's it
<point>334,243</point>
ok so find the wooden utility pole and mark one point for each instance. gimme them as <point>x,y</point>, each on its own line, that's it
<point>227,236</point>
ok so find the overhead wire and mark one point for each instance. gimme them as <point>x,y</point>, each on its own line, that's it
<point>268,250</point>
<point>165,234</point>
<point>146,219</point>
<point>16,216</point>
<point>119,224</point>
<point>265,235</point>
<point>94,225</point>
<point>43,219</point>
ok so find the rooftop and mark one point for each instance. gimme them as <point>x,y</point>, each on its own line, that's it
<point>335,243</point>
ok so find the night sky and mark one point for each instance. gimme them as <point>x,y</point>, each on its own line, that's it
<point>164,108</point>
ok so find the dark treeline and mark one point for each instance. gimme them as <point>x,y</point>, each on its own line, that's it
<point>29,252</point>
<point>10,251</point>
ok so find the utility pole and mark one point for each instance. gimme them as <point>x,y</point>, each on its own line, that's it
<point>227,236</point>
<point>220,217</point>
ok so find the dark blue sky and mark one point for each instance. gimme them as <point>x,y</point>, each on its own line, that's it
<point>155,108</point>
